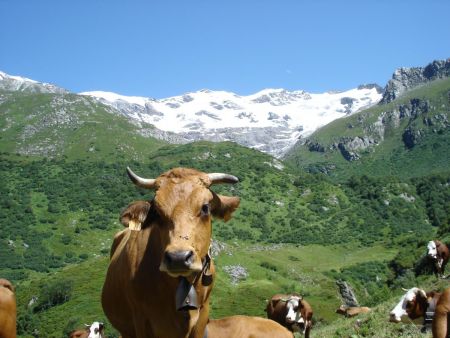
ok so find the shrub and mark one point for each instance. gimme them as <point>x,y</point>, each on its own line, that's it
<point>54,293</point>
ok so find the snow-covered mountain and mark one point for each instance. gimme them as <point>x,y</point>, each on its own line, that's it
<point>271,120</point>
<point>23,84</point>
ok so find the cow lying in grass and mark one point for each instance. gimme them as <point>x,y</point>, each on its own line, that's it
<point>351,311</point>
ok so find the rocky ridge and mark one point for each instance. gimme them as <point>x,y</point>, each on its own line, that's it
<point>404,79</point>
<point>418,117</point>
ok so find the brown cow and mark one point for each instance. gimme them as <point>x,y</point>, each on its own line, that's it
<point>441,322</point>
<point>351,311</point>
<point>161,274</point>
<point>78,334</point>
<point>246,327</point>
<point>415,303</point>
<point>8,310</point>
<point>439,254</point>
<point>291,311</point>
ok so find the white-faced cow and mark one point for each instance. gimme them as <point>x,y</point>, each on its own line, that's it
<point>8,311</point>
<point>441,322</point>
<point>415,303</point>
<point>351,311</point>
<point>246,327</point>
<point>95,330</point>
<point>438,253</point>
<point>161,274</point>
<point>291,311</point>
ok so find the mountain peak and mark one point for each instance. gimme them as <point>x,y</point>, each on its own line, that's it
<point>23,84</point>
<point>405,78</point>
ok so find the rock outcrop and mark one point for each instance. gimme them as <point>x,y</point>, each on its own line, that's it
<point>347,294</point>
<point>404,79</point>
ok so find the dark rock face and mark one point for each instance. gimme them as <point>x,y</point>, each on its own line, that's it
<point>348,155</point>
<point>371,86</point>
<point>349,146</point>
<point>407,78</point>
<point>411,137</point>
<point>315,146</point>
<point>347,294</point>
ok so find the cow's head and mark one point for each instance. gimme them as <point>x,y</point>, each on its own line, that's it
<point>412,304</point>
<point>293,304</point>
<point>342,309</point>
<point>432,250</point>
<point>183,206</point>
<point>95,330</point>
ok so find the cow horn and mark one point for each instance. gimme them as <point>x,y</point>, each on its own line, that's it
<point>217,178</point>
<point>148,183</point>
<point>423,293</point>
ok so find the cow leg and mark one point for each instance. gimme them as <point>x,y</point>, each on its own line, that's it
<point>440,325</point>
<point>307,332</point>
<point>202,320</point>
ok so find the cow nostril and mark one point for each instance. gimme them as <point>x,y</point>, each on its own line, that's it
<point>179,259</point>
<point>189,258</point>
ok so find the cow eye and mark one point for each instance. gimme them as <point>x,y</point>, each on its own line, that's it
<point>205,210</point>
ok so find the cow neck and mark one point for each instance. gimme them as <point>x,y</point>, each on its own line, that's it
<point>430,310</point>
<point>186,296</point>
<point>431,306</point>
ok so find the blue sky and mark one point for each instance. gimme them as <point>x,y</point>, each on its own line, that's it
<point>166,48</point>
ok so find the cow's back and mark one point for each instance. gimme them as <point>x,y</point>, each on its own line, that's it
<point>7,310</point>
<point>246,327</point>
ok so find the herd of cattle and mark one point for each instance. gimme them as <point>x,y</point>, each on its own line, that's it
<point>161,274</point>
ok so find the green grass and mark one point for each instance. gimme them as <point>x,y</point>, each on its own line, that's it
<point>305,274</point>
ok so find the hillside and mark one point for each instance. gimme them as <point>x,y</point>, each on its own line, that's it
<point>407,137</point>
<point>61,124</point>
<point>62,167</point>
<point>58,218</point>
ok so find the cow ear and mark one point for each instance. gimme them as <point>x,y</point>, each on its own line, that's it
<point>135,214</point>
<point>224,206</point>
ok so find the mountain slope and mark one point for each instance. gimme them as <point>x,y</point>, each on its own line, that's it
<point>407,137</point>
<point>52,125</point>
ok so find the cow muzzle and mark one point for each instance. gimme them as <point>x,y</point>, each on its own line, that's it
<point>180,263</point>
<point>393,318</point>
